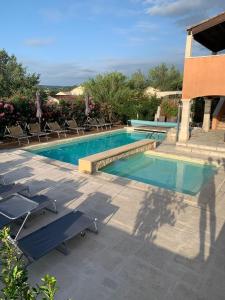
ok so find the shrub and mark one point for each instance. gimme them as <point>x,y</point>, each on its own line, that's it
<point>14,275</point>
<point>169,108</point>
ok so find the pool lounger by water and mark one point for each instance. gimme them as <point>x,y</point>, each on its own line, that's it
<point>55,235</point>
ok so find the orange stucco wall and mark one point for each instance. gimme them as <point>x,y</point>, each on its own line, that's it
<point>204,76</point>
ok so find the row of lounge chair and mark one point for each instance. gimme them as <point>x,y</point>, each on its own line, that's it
<point>34,129</point>
<point>16,206</point>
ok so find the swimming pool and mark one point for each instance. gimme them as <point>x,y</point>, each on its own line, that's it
<point>71,152</point>
<point>175,175</point>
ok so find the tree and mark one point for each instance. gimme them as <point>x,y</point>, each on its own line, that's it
<point>148,107</point>
<point>169,108</point>
<point>14,276</point>
<point>112,91</point>
<point>165,78</point>
<point>14,79</point>
<point>138,81</point>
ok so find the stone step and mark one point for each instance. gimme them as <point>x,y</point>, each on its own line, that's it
<point>201,149</point>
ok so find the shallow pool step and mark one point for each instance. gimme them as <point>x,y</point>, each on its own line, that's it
<point>201,149</point>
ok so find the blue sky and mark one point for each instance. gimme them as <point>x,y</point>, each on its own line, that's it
<point>68,41</point>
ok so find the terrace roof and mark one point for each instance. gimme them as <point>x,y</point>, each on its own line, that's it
<point>210,33</point>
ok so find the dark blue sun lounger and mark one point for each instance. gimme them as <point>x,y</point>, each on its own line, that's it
<point>12,188</point>
<point>55,235</point>
<point>17,206</point>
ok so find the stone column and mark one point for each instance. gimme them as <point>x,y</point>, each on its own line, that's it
<point>207,111</point>
<point>157,115</point>
<point>188,49</point>
<point>184,132</point>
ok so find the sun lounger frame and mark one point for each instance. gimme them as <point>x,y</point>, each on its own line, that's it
<point>53,231</point>
<point>48,128</point>
<point>19,137</point>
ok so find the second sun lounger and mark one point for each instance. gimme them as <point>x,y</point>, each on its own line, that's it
<point>53,127</point>
<point>35,130</point>
<point>55,235</point>
<point>12,188</point>
<point>17,206</point>
<point>94,123</point>
<point>72,125</point>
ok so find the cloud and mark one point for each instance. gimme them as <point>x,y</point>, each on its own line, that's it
<point>89,10</point>
<point>138,34</point>
<point>184,12</point>
<point>70,73</point>
<point>39,42</point>
<point>65,73</point>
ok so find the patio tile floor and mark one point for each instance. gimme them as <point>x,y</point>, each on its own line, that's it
<point>152,244</point>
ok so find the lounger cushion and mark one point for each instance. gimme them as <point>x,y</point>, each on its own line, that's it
<point>4,221</point>
<point>49,237</point>
<point>42,200</point>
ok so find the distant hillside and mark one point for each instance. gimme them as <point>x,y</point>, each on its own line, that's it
<point>57,87</point>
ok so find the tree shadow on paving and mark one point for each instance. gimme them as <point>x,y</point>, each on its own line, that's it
<point>10,164</point>
<point>159,207</point>
<point>99,205</point>
<point>19,173</point>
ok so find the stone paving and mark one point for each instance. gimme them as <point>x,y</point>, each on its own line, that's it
<point>213,138</point>
<point>152,244</point>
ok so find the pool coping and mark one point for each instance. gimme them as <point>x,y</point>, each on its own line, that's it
<point>69,140</point>
<point>187,198</point>
<point>90,164</point>
<point>77,138</point>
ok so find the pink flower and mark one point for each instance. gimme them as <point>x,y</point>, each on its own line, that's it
<point>9,107</point>
<point>2,115</point>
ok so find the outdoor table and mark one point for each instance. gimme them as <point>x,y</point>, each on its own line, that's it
<point>15,207</point>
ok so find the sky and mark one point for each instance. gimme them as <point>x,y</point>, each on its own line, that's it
<point>69,41</point>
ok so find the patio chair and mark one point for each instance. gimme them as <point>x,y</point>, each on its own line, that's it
<point>54,127</point>
<point>55,235</point>
<point>72,125</point>
<point>94,123</point>
<point>8,189</point>
<point>16,206</point>
<point>34,129</point>
<point>17,133</point>
<point>104,123</point>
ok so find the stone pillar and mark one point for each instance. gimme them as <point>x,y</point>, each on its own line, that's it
<point>157,115</point>
<point>188,49</point>
<point>207,111</point>
<point>184,132</point>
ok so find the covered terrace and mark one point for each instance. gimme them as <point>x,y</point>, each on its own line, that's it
<point>204,76</point>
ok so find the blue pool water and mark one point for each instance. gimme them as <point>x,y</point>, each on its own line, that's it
<point>171,174</point>
<point>73,151</point>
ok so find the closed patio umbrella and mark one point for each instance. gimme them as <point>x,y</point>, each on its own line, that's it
<point>87,108</point>
<point>38,106</point>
